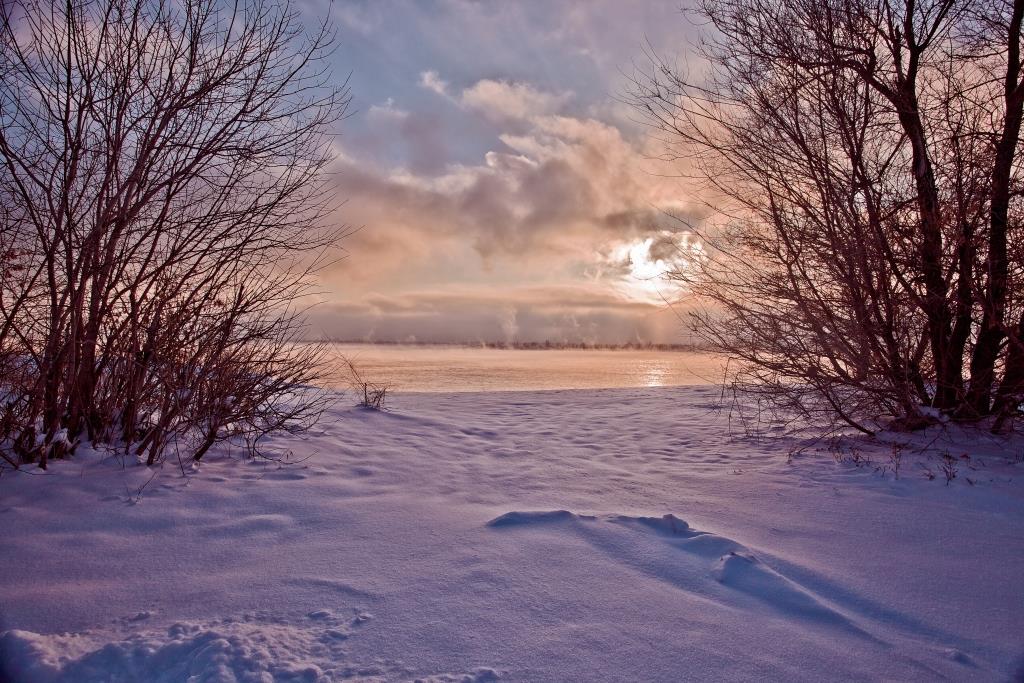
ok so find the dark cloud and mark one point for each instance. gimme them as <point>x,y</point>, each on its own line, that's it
<point>557,314</point>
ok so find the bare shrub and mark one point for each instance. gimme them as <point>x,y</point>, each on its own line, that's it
<point>948,467</point>
<point>164,203</point>
<point>866,267</point>
<point>895,459</point>
<point>372,395</point>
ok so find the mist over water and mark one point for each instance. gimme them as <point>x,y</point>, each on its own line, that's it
<point>461,368</point>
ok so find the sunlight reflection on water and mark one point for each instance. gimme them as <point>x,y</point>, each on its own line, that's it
<point>655,376</point>
<point>457,368</point>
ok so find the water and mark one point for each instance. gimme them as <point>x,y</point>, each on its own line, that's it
<point>459,368</point>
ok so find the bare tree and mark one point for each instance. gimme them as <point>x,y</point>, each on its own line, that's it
<point>162,177</point>
<point>865,155</point>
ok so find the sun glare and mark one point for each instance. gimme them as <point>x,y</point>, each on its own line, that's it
<point>646,265</point>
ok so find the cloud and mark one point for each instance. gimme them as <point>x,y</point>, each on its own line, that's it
<point>495,191</point>
<point>364,19</point>
<point>498,100</point>
<point>431,80</point>
<point>507,100</point>
<point>565,314</point>
<point>387,112</point>
<point>563,203</point>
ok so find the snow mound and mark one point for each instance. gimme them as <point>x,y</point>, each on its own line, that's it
<point>668,549</point>
<point>480,675</point>
<point>668,525</point>
<point>225,652</point>
<point>516,518</point>
<point>745,573</point>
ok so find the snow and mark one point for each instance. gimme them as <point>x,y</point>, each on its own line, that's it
<point>598,535</point>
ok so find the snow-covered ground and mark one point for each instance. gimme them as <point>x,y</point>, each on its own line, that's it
<point>605,535</point>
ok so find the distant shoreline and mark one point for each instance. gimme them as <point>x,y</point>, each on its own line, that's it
<point>528,346</point>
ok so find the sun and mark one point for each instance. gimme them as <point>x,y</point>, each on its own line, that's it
<point>645,266</point>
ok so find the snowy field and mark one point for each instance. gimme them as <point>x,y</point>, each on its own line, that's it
<point>600,535</point>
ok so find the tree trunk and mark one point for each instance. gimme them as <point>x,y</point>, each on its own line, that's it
<point>1011,389</point>
<point>948,368</point>
<point>991,334</point>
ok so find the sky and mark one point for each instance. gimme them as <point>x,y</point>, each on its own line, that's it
<point>501,189</point>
